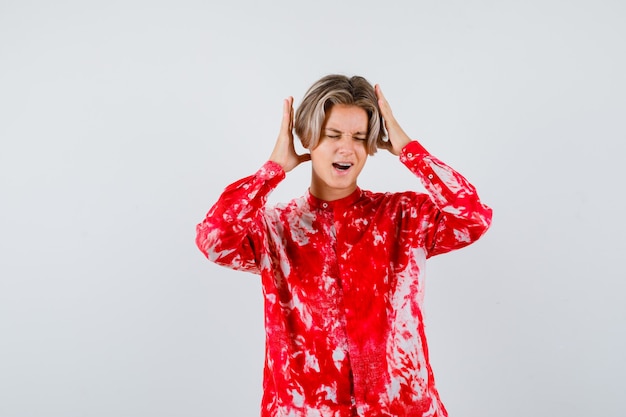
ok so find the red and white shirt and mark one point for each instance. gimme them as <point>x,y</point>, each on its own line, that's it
<point>343,286</point>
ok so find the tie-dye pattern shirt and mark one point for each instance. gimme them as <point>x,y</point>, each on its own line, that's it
<point>343,286</point>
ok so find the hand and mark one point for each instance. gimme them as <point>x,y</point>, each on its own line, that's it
<point>396,135</point>
<point>284,152</point>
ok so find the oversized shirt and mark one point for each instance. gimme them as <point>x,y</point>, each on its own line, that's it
<point>343,286</point>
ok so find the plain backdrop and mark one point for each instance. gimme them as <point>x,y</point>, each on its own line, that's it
<point>122,121</point>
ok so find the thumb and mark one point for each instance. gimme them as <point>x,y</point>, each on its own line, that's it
<point>304,157</point>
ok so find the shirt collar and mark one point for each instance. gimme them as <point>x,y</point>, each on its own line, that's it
<point>317,203</point>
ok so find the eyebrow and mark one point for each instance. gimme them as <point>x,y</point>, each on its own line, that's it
<point>340,132</point>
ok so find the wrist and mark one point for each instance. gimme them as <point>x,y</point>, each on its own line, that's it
<point>272,169</point>
<point>413,148</point>
<point>276,164</point>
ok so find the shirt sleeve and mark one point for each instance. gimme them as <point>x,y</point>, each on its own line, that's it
<point>459,217</point>
<point>232,234</point>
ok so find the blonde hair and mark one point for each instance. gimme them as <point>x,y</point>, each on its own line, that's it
<point>339,89</point>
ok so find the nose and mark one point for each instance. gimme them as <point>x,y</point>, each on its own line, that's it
<point>345,146</point>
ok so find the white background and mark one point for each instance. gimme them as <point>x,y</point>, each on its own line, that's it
<point>122,121</point>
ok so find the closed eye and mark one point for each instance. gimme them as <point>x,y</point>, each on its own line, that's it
<point>335,134</point>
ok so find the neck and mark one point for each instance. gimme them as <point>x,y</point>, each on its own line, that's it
<point>330,194</point>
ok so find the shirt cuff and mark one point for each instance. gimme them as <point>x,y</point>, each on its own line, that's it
<point>413,151</point>
<point>271,170</point>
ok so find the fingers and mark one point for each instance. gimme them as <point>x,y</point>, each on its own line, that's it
<point>379,95</point>
<point>383,104</point>
<point>395,134</point>
<point>385,110</point>
<point>287,122</point>
<point>284,152</point>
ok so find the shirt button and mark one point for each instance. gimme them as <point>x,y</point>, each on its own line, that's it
<point>410,155</point>
<point>430,176</point>
<point>272,172</point>
<point>325,205</point>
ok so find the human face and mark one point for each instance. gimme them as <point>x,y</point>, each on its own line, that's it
<point>341,152</point>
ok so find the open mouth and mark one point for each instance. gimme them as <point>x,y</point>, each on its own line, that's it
<point>342,166</point>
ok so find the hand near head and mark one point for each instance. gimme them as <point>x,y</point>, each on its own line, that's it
<point>396,135</point>
<point>284,153</point>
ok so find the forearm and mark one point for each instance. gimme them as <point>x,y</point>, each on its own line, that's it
<point>462,217</point>
<point>228,232</point>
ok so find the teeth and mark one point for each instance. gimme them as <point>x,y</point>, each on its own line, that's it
<point>342,165</point>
